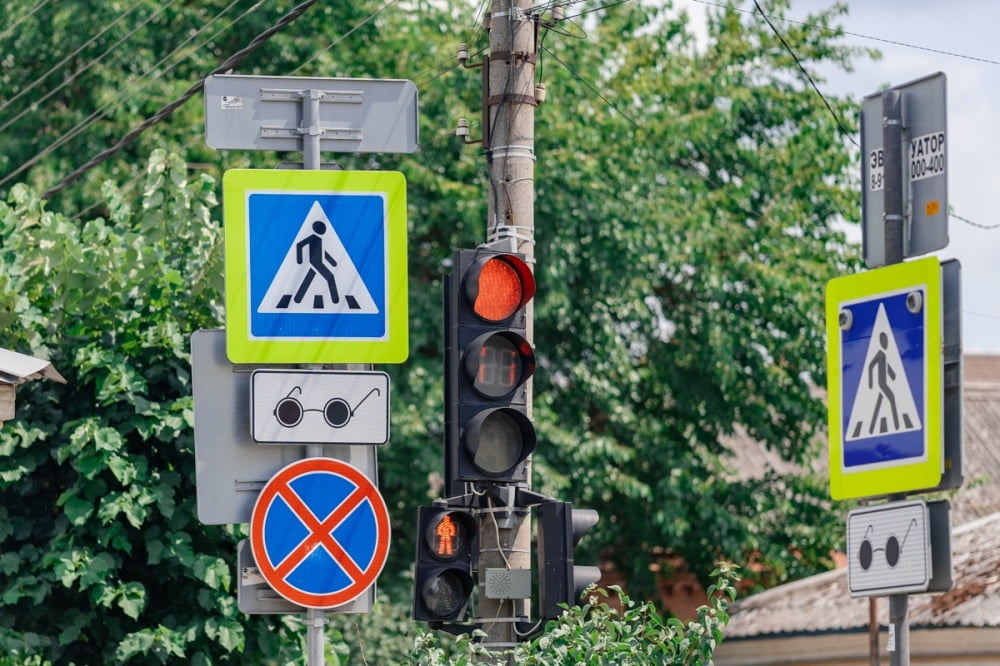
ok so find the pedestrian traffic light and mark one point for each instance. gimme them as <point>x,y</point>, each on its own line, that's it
<point>442,581</point>
<point>560,580</point>
<point>488,360</point>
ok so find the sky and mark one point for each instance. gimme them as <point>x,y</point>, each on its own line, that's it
<point>919,38</point>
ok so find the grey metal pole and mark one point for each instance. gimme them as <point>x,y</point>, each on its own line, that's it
<point>509,144</point>
<point>315,618</point>
<point>892,146</point>
<point>899,630</point>
<point>311,129</point>
<point>873,655</point>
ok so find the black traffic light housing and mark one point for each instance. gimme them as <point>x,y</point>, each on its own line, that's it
<point>447,540</point>
<point>560,580</point>
<point>488,360</point>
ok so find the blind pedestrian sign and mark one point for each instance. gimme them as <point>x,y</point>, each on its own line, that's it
<point>884,371</point>
<point>315,266</point>
<point>319,533</point>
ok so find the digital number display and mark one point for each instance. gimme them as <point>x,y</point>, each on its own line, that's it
<point>499,367</point>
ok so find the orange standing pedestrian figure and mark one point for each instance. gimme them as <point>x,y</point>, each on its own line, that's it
<point>446,532</point>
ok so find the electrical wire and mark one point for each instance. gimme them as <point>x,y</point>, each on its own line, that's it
<point>987,227</point>
<point>197,87</point>
<point>11,28</point>
<point>846,132</point>
<point>347,34</point>
<point>90,64</point>
<point>862,36</point>
<point>62,62</point>
<point>128,92</point>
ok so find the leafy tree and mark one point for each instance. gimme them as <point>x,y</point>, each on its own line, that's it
<point>686,229</point>
<point>687,199</point>
<point>103,558</point>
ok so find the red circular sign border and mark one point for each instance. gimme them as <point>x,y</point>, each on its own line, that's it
<point>282,479</point>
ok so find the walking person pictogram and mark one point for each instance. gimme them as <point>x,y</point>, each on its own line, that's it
<point>880,365</point>
<point>883,404</point>
<point>318,258</point>
<point>317,251</point>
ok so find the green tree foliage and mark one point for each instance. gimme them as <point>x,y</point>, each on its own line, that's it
<point>687,193</point>
<point>596,633</point>
<point>103,558</point>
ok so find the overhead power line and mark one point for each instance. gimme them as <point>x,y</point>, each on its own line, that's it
<point>62,62</point>
<point>11,28</point>
<point>230,62</point>
<point>127,93</point>
<point>79,72</point>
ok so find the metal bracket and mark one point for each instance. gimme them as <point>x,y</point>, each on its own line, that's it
<point>328,96</point>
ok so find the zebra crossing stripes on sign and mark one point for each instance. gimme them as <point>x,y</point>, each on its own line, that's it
<point>884,368</point>
<point>883,402</point>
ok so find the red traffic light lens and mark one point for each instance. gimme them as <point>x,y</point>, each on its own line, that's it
<point>500,291</point>
<point>503,284</point>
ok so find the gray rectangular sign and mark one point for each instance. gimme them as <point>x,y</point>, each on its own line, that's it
<point>925,173</point>
<point>230,468</point>
<point>899,548</point>
<point>267,113</point>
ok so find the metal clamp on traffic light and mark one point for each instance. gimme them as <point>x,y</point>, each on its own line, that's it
<point>488,360</point>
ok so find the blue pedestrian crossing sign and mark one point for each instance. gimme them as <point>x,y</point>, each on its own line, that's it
<point>315,266</point>
<point>884,380</point>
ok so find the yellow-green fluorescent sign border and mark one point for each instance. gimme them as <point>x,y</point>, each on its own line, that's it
<point>297,293</point>
<point>885,392</point>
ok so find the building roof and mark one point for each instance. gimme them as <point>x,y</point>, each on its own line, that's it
<point>821,603</point>
<point>18,368</point>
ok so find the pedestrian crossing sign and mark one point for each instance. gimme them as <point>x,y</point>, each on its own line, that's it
<point>884,380</point>
<point>316,268</point>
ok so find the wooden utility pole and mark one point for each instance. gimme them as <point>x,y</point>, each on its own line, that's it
<point>509,145</point>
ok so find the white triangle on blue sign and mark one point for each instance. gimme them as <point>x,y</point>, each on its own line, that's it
<point>317,275</point>
<point>883,403</point>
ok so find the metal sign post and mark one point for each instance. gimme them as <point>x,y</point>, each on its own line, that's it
<point>312,115</point>
<point>894,359</point>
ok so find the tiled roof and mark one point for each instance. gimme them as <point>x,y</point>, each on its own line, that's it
<point>821,603</point>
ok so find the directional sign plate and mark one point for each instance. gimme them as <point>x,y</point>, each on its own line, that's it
<point>320,533</point>
<point>925,173</point>
<point>884,374</point>
<point>315,266</point>
<point>888,548</point>
<point>319,407</point>
<point>354,116</point>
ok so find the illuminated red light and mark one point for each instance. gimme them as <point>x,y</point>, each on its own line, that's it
<point>447,537</point>
<point>446,532</point>
<point>500,291</point>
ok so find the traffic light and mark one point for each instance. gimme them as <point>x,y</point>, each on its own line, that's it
<point>488,359</point>
<point>442,581</point>
<point>560,581</point>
